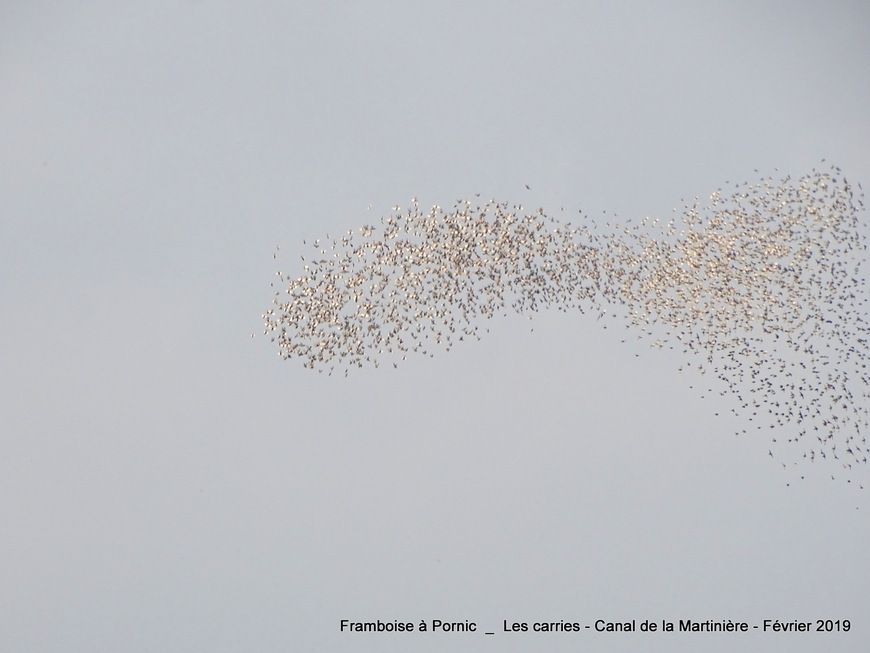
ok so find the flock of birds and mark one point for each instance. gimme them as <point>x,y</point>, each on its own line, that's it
<point>760,287</point>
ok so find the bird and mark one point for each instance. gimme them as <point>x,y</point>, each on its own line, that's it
<point>761,287</point>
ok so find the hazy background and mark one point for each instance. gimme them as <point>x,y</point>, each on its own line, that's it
<point>167,483</point>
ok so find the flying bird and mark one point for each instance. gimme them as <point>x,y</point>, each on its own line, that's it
<point>761,287</point>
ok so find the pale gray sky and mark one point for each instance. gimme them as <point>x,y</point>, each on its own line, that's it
<point>167,483</point>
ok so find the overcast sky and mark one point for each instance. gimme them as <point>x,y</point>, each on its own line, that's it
<point>168,483</point>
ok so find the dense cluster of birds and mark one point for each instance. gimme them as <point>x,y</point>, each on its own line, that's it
<point>761,287</point>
